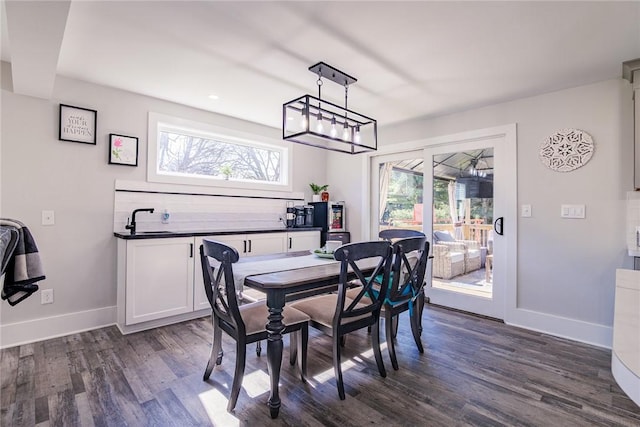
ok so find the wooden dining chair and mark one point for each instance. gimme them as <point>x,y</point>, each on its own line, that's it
<point>245,323</point>
<point>392,234</point>
<point>338,315</point>
<point>406,290</point>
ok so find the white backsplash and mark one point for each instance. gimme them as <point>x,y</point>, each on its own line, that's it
<point>198,212</point>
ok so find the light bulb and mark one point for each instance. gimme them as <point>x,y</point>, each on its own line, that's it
<point>333,131</point>
<point>345,132</point>
<point>319,126</point>
<point>303,121</point>
<point>356,137</point>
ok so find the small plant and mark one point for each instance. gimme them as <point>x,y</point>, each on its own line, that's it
<point>226,171</point>
<point>317,189</point>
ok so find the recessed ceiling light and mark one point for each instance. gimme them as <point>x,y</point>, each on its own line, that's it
<point>214,97</point>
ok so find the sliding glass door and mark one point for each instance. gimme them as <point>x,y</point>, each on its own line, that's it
<point>458,194</point>
<point>399,199</point>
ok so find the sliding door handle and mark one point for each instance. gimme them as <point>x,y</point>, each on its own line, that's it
<point>498,226</point>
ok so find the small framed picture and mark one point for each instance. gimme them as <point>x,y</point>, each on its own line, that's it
<point>123,150</point>
<point>77,124</point>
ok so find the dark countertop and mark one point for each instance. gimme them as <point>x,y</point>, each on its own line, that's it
<point>168,234</point>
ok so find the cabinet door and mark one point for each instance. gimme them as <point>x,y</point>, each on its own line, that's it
<point>236,241</point>
<point>303,241</point>
<point>159,278</point>
<point>266,243</point>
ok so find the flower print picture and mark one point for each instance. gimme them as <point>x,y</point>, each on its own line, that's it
<point>123,150</point>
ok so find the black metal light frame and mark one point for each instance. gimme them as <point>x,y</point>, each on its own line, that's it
<point>359,133</point>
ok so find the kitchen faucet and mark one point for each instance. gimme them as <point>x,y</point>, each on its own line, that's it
<point>132,225</point>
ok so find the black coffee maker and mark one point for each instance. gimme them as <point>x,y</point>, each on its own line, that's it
<point>303,216</point>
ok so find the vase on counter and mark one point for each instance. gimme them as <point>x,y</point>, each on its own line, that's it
<point>324,196</point>
<point>316,198</point>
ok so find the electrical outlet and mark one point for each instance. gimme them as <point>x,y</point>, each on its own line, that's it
<point>48,218</point>
<point>46,296</point>
<point>526,211</point>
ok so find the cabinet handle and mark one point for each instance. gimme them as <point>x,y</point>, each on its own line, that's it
<point>249,245</point>
<point>245,246</point>
<point>290,242</point>
<point>190,250</point>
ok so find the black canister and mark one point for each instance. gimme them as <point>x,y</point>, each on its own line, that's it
<point>291,215</point>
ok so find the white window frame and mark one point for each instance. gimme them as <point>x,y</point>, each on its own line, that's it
<point>158,121</point>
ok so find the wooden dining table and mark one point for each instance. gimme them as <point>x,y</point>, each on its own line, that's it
<point>281,287</point>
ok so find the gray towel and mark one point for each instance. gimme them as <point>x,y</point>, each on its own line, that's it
<point>23,267</point>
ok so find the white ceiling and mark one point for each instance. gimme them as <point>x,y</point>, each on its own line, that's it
<point>411,59</point>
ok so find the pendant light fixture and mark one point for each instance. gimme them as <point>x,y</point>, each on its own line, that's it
<point>310,120</point>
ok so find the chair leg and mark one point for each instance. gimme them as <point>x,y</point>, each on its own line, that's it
<point>420,307</point>
<point>377,352</point>
<point>302,344</point>
<point>216,351</point>
<point>394,322</point>
<point>343,340</point>
<point>389,334</point>
<point>416,327</point>
<point>258,349</point>
<point>336,366</point>
<point>293,347</point>
<point>241,356</point>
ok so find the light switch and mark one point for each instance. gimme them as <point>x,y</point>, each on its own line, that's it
<point>525,211</point>
<point>48,218</point>
<point>572,211</point>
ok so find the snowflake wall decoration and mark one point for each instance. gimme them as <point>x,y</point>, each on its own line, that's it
<point>566,150</point>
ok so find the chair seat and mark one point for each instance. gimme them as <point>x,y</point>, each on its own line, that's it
<point>255,316</point>
<point>473,253</point>
<point>322,309</point>
<point>457,256</point>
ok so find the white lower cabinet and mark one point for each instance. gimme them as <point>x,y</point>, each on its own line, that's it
<point>252,244</point>
<point>158,278</point>
<point>303,241</point>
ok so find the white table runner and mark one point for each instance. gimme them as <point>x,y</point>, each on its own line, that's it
<point>246,267</point>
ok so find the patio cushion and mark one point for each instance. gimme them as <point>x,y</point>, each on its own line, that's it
<point>443,236</point>
<point>457,256</point>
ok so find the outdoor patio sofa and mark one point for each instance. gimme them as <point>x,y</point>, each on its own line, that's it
<point>453,257</point>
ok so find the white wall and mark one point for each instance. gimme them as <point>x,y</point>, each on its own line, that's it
<point>40,172</point>
<point>566,268</point>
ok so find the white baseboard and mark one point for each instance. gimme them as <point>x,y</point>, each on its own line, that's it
<point>19,333</point>
<point>577,330</point>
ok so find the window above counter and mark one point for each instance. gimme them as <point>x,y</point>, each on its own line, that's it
<point>182,151</point>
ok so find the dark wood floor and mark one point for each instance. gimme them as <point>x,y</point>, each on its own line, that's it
<point>473,372</point>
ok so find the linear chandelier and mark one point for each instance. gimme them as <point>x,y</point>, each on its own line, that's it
<point>310,120</point>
